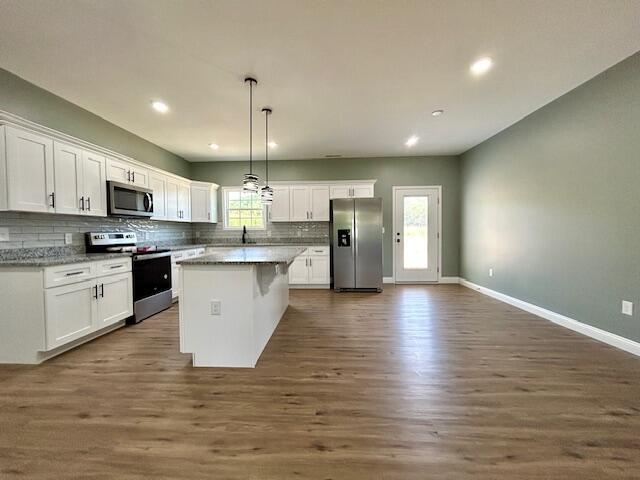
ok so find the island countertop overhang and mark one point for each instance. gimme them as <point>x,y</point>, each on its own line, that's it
<point>247,256</point>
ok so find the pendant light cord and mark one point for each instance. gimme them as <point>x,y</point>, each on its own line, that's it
<point>250,126</point>
<point>266,149</point>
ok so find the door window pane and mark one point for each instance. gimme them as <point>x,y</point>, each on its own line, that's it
<point>416,232</point>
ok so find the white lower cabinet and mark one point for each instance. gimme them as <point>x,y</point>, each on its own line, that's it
<point>175,268</point>
<point>299,271</point>
<point>311,268</point>
<point>318,269</point>
<point>70,313</point>
<point>78,309</point>
<point>115,299</point>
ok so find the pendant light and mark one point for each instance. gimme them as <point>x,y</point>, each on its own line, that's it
<point>250,180</point>
<point>266,193</point>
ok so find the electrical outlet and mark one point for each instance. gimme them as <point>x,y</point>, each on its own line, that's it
<point>491,272</point>
<point>4,234</point>
<point>216,307</point>
<point>68,239</point>
<point>627,307</point>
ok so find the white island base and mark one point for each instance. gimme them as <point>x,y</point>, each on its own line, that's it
<point>252,300</point>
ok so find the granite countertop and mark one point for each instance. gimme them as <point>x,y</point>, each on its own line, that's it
<point>54,260</point>
<point>247,255</point>
<point>276,244</point>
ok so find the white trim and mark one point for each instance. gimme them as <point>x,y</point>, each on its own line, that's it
<point>393,226</point>
<point>449,280</point>
<point>323,182</point>
<point>601,335</point>
<point>388,280</point>
<point>225,220</point>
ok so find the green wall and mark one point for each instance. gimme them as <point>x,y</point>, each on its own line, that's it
<point>396,171</point>
<point>22,98</point>
<point>553,204</point>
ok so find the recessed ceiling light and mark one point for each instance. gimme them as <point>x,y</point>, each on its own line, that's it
<point>437,113</point>
<point>160,106</point>
<point>412,140</point>
<point>481,66</point>
<point>273,144</point>
<point>214,146</point>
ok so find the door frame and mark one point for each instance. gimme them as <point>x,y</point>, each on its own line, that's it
<point>438,233</point>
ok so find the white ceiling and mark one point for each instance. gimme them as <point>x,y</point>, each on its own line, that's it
<point>355,78</point>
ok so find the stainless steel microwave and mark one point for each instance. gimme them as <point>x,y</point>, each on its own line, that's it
<point>131,200</point>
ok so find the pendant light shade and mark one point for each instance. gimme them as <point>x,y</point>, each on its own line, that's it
<point>266,193</point>
<point>250,180</point>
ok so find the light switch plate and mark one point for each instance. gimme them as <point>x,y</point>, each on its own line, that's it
<point>4,234</point>
<point>627,307</point>
<point>491,272</point>
<point>68,239</point>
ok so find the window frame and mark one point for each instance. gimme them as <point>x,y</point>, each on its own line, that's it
<point>225,213</point>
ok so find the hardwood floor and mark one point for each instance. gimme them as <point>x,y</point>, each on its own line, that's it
<point>418,382</point>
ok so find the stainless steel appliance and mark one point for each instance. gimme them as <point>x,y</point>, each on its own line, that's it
<point>356,243</point>
<point>131,200</point>
<point>151,271</point>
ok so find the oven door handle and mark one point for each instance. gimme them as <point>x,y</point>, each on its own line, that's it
<point>150,256</point>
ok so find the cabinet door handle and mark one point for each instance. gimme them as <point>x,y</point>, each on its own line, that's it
<point>71,274</point>
<point>269,214</point>
<point>208,216</point>
<point>53,199</point>
<point>101,290</point>
<point>89,204</point>
<point>133,177</point>
<point>112,267</point>
<point>311,215</point>
<point>82,203</point>
<point>95,295</point>
<point>310,261</point>
<point>128,175</point>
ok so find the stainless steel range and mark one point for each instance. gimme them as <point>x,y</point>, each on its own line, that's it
<point>151,268</point>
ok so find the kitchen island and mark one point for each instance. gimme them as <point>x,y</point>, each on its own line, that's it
<point>231,302</point>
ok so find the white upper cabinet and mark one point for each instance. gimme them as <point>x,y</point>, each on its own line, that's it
<point>125,172</point>
<point>357,190</point>
<point>279,208</point>
<point>184,201</point>
<point>80,181</point>
<point>319,203</point>
<point>29,171</point>
<point>362,191</point>
<point>158,183</point>
<point>93,185</point>
<point>340,191</point>
<point>204,202</point>
<point>67,162</point>
<point>173,211</point>
<point>298,203</point>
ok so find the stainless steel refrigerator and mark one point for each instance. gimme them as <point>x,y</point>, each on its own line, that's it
<point>356,243</point>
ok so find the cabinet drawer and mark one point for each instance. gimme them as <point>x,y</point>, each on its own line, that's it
<point>68,274</point>
<point>177,256</point>
<point>116,265</point>
<point>313,251</point>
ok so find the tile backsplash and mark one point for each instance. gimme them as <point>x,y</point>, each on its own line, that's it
<point>289,232</point>
<point>41,234</point>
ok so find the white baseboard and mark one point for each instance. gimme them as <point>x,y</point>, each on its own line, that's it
<point>449,280</point>
<point>588,330</point>
<point>442,280</point>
